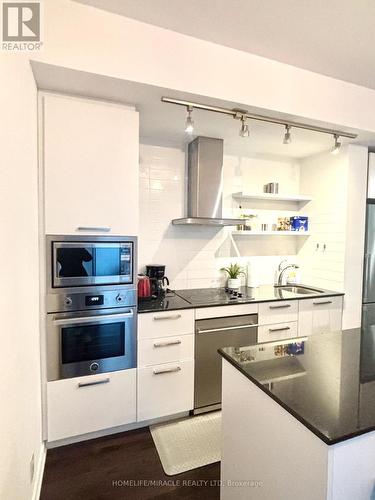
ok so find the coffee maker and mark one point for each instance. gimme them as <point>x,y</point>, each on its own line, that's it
<point>159,282</point>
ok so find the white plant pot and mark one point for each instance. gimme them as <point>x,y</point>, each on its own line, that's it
<point>234,283</point>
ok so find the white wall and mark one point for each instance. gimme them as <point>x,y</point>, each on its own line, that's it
<point>89,39</point>
<point>337,212</point>
<point>355,235</point>
<point>324,177</point>
<point>194,255</point>
<point>20,400</point>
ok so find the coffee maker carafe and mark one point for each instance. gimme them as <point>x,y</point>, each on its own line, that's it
<point>159,282</point>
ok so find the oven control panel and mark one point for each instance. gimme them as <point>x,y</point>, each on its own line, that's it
<point>85,301</point>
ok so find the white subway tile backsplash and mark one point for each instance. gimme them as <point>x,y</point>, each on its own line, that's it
<point>194,255</point>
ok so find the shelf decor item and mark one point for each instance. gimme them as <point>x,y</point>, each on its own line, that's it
<point>234,272</point>
<point>283,224</point>
<point>299,223</point>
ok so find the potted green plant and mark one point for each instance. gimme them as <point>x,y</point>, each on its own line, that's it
<point>234,272</point>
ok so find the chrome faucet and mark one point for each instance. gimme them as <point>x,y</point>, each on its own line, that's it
<point>281,271</point>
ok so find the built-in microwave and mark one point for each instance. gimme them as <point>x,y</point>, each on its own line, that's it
<point>84,261</point>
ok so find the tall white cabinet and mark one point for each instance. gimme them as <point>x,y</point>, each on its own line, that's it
<point>90,166</point>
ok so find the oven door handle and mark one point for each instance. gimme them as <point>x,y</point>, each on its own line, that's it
<point>90,319</point>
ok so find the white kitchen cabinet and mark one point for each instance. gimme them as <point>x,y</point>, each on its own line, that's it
<point>319,315</point>
<point>90,160</point>
<point>279,311</point>
<point>165,363</point>
<point>279,331</point>
<point>165,390</point>
<point>165,350</point>
<point>80,405</point>
<point>165,323</point>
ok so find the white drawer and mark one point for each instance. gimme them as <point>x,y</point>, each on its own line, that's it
<point>320,315</point>
<point>87,404</point>
<point>165,350</point>
<point>278,312</point>
<point>162,324</point>
<point>165,390</point>
<point>280,331</point>
<point>222,311</point>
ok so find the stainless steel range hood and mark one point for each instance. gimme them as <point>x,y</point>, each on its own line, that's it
<point>205,184</point>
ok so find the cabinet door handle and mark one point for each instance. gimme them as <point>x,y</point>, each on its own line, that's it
<point>171,316</point>
<point>283,306</point>
<point>95,382</point>
<point>279,329</point>
<point>165,344</point>
<point>324,302</point>
<point>102,229</point>
<point>167,370</point>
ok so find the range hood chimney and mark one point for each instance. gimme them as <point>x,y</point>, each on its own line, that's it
<point>205,184</point>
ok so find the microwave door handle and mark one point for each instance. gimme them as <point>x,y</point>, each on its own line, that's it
<point>90,319</point>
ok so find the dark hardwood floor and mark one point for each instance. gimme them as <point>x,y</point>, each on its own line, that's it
<point>90,470</point>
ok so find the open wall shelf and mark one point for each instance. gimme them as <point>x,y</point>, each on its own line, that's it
<point>298,198</point>
<point>271,233</point>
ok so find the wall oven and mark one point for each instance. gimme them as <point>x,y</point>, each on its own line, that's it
<point>88,342</point>
<point>91,305</point>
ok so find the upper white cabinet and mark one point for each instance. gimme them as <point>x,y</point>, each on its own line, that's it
<point>90,157</point>
<point>319,315</point>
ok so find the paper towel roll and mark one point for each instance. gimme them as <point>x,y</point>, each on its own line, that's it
<point>252,276</point>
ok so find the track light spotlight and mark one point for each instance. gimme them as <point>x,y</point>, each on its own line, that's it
<point>337,146</point>
<point>287,136</point>
<point>244,130</point>
<point>189,124</point>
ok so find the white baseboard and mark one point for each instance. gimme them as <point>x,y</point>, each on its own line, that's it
<point>113,430</point>
<point>39,471</point>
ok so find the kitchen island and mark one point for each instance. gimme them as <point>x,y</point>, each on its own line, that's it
<point>298,420</point>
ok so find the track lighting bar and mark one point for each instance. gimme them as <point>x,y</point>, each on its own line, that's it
<point>262,118</point>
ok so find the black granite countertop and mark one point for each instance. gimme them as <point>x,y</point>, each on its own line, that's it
<point>213,297</point>
<point>317,379</point>
<point>170,301</point>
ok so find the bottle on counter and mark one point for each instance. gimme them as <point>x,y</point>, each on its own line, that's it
<point>252,280</point>
<point>294,276</point>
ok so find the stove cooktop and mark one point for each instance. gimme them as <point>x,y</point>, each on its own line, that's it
<point>215,296</point>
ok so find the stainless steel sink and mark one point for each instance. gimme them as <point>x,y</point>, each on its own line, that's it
<point>299,290</point>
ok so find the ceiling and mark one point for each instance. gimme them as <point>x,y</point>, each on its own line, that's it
<point>164,124</point>
<point>334,38</point>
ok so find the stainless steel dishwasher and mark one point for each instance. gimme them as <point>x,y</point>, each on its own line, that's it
<point>210,335</point>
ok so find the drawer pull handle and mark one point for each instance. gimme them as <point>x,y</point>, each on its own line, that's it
<point>94,228</point>
<point>282,329</point>
<point>171,316</point>
<point>324,302</point>
<point>95,382</point>
<point>165,344</point>
<point>283,306</point>
<point>167,370</point>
